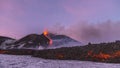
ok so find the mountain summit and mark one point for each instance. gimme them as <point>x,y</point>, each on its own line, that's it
<point>32,41</point>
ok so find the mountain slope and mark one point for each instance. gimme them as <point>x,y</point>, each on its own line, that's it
<point>5,42</point>
<point>3,39</point>
<point>103,52</point>
<point>63,41</point>
<point>32,41</point>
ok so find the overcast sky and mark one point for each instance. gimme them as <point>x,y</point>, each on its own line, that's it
<point>21,17</point>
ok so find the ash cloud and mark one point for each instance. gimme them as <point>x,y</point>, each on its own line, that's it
<point>88,32</point>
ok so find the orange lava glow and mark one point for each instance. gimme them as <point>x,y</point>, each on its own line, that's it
<point>116,54</point>
<point>2,52</point>
<point>50,42</point>
<point>103,56</point>
<point>45,32</point>
<point>60,56</point>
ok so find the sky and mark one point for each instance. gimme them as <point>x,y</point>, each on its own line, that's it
<point>21,17</point>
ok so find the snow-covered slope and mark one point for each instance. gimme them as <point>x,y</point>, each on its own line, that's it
<point>5,42</point>
<point>63,41</point>
<point>3,39</point>
<point>13,61</point>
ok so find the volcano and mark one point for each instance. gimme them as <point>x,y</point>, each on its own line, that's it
<point>29,41</point>
<point>36,41</point>
<point>32,41</point>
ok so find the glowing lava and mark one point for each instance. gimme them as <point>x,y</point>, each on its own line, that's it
<point>103,56</point>
<point>50,42</point>
<point>46,33</point>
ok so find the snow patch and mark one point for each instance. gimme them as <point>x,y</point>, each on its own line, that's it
<point>5,45</point>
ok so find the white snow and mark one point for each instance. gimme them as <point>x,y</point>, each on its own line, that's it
<point>58,43</point>
<point>64,44</point>
<point>21,46</point>
<point>13,61</point>
<point>4,46</point>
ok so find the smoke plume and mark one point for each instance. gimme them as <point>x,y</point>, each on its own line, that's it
<point>88,32</point>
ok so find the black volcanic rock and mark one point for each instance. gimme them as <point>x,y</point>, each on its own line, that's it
<point>103,52</point>
<point>32,40</point>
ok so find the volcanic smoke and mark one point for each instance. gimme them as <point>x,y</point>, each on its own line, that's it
<point>88,32</point>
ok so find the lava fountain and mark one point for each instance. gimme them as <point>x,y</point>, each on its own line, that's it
<point>46,34</point>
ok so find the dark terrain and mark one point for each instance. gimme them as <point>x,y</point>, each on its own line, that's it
<point>103,52</point>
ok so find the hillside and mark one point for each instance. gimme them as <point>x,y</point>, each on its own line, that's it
<point>103,52</point>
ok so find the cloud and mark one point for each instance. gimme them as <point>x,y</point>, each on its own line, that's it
<point>89,32</point>
<point>84,31</point>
